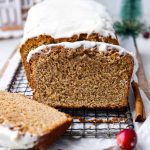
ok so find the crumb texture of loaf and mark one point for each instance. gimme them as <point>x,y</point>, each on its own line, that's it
<point>23,116</point>
<point>90,77</point>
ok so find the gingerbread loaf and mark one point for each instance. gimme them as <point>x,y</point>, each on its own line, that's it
<point>81,74</point>
<point>70,57</point>
<point>27,124</point>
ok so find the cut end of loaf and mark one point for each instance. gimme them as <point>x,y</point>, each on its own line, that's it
<point>79,77</point>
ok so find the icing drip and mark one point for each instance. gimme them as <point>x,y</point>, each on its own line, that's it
<point>14,140</point>
<point>64,18</point>
<point>101,46</point>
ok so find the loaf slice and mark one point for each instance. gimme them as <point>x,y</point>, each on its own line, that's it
<point>26,124</point>
<point>81,74</point>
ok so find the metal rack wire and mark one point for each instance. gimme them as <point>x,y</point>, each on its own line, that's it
<point>86,123</point>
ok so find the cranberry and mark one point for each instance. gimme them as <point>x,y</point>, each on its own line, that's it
<point>127,139</point>
<point>146,35</point>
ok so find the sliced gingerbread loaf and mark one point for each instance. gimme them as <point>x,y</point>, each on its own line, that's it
<point>55,21</point>
<point>81,74</point>
<point>27,124</point>
<point>70,58</point>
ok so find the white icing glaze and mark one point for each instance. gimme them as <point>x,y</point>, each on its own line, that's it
<point>14,140</point>
<point>101,46</point>
<point>64,18</point>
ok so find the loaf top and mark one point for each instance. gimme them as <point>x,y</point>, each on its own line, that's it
<point>24,121</point>
<point>101,47</point>
<point>65,18</point>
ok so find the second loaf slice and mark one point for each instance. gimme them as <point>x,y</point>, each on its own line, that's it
<point>81,74</point>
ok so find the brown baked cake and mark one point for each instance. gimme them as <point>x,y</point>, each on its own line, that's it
<point>47,25</point>
<point>81,74</point>
<point>26,124</point>
<point>69,58</point>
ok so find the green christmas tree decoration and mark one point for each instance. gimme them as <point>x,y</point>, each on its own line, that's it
<point>129,28</point>
<point>130,23</point>
<point>131,10</point>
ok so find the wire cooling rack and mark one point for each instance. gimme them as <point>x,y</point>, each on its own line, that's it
<point>86,123</point>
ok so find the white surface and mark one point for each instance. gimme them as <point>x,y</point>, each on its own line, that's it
<point>81,16</point>
<point>9,72</point>
<point>83,144</point>
<point>144,48</point>
<point>6,49</point>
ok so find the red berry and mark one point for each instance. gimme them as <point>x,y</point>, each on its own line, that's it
<point>127,139</point>
<point>146,35</point>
